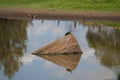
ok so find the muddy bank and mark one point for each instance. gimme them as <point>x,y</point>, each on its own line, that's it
<point>20,13</point>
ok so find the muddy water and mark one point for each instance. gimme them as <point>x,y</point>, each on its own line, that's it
<point>99,43</point>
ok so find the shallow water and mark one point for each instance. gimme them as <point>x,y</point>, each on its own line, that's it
<point>100,45</point>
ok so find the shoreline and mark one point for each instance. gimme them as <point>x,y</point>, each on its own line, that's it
<point>52,14</point>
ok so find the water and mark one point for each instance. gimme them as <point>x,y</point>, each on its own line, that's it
<point>100,45</point>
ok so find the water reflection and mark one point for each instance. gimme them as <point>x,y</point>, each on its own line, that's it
<point>106,42</point>
<point>13,36</point>
<point>118,76</point>
<point>69,61</point>
<point>18,36</point>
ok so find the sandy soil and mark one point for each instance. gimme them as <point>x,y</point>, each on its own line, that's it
<point>20,13</point>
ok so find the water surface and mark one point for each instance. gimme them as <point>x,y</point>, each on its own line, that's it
<point>100,45</point>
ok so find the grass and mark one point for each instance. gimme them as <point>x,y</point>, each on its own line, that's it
<point>95,5</point>
<point>110,24</point>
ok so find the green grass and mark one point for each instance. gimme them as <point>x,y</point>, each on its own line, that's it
<point>110,24</point>
<point>95,5</point>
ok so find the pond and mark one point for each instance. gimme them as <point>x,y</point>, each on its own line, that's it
<point>99,42</point>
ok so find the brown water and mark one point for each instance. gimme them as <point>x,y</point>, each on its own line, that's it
<point>100,45</point>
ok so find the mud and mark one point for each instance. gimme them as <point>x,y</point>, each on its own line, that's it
<point>27,13</point>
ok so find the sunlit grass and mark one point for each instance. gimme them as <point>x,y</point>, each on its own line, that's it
<point>101,5</point>
<point>109,24</point>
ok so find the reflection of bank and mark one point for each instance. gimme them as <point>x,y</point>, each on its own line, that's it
<point>106,43</point>
<point>64,52</point>
<point>13,36</point>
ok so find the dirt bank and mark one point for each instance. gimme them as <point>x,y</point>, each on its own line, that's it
<point>20,13</point>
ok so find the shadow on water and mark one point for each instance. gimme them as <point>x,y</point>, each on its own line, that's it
<point>106,42</point>
<point>13,36</point>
